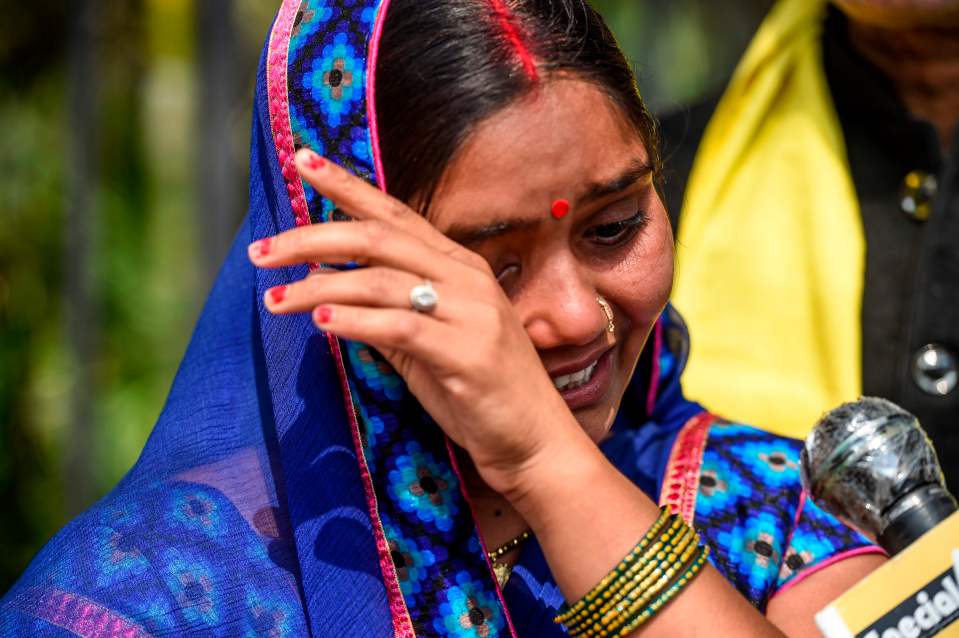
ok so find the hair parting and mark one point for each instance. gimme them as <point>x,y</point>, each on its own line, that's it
<point>445,66</point>
<point>512,32</point>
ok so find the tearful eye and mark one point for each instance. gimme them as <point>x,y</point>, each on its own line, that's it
<point>504,273</point>
<point>617,232</point>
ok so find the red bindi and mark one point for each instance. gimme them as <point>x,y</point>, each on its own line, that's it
<point>560,208</point>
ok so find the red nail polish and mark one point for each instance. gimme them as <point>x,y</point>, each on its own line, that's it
<point>323,314</point>
<point>262,247</point>
<point>560,208</point>
<point>315,162</point>
<point>277,294</point>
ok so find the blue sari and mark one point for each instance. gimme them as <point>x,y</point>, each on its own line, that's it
<point>292,485</point>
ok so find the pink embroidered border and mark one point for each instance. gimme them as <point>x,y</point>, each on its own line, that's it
<point>78,615</point>
<point>276,83</point>
<point>806,573</point>
<point>374,56</point>
<point>283,138</point>
<point>681,482</point>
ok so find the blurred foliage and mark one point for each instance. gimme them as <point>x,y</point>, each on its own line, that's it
<point>145,247</point>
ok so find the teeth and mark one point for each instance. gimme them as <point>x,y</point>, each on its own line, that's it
<point>575,379</point>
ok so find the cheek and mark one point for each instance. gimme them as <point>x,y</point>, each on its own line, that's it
<point>642,284</point>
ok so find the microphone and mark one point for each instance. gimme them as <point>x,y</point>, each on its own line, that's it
<point>871,464</point>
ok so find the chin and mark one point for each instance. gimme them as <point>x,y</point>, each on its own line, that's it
<point>596,422</point>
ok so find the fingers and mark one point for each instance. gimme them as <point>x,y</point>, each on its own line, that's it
<point>375,287</point>
<point>369,242</point>
<point>364,201</point>
<point>389,329</point>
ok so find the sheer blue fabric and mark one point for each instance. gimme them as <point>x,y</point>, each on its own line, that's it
<point>292,486</point>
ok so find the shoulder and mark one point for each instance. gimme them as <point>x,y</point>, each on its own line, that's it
<point>151,561</point>
<point>751,508</point>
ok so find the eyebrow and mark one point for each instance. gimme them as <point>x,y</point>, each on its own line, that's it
<point>469,235</point>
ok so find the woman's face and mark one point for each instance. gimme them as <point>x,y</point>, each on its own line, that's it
<point>567,141</point>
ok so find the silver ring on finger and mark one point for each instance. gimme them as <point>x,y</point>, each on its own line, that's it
<point>423,298</point>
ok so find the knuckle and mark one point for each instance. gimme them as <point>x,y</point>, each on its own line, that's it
<point>395,209</point>
<point>406,329</point>
<point>375,232</point>
<point>382,282</point>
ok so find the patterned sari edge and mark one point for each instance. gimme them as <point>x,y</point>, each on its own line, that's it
<point>489,564</point>
<point>75,613</point>
<point>281,128</point>
<point>806,573</point>
<point>681,479</point>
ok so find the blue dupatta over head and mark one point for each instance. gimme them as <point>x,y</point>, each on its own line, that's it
<point>293,486</point>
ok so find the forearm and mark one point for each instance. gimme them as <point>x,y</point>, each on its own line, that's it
<point>587,516</point>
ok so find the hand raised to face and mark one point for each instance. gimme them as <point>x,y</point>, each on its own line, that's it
<point>469,360</point>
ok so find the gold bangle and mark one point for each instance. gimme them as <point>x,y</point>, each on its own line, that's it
<point>671,559</point>
<point>640,595</point>
<point>627,616</point>
<point>694,568</point>
<point>655,553</point>
<point>637,577</point>
<point>665,516</point>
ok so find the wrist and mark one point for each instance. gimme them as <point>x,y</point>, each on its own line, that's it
<point>546,483</point>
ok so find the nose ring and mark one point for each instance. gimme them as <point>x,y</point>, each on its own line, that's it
<point>608,311</point>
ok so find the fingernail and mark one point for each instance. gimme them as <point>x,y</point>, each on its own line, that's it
<point>260,248</point>
<point>312,161</point>
<point>277,294</point>
<point>323,314</point>
<point>315,162</point>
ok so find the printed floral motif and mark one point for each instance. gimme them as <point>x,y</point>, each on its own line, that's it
<point>310,17</point>
<point>374,371</point>
<point>778,461</point>
<point>421,487</point>
<point>710,483</point>
<point>336,79</point>
<point>468,611</point>
<point>410,562</point>
<point>764,550</point>
<point>793,562</point>
<point>196,510</point>
<point>192,586</point>
<point>118,550</point>
<point>266,618</point>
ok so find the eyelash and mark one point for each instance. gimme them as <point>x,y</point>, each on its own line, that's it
<point>626,229</point>
<point>623,230</point>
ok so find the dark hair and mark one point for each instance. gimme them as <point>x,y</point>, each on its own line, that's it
<point>457,62</point>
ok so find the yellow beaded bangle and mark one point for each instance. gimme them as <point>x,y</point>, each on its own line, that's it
<point>674,560</point>
<point>664,517</point>
<point>626,616</point>
<point>638,576</point>
<point>636,572</point>
<point>687,576</point>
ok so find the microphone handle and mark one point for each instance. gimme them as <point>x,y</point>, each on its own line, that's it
<point>915,514</point>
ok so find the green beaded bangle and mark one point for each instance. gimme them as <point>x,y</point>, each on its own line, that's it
<point>660,555</point>
<point>567,612</point>
<point>673,561</point>
<point>636,606</point>
<point>691,571</point>
<point>655,554</point>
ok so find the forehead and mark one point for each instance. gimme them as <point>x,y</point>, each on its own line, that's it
<point>552,144</point>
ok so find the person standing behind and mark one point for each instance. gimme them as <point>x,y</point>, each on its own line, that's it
<point>817,212</point>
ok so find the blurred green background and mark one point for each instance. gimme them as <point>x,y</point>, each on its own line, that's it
<point>125,126</point>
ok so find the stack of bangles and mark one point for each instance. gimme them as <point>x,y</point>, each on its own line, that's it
<point>664,561</point>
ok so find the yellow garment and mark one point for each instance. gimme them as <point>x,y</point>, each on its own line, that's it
<point>771,251</point>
